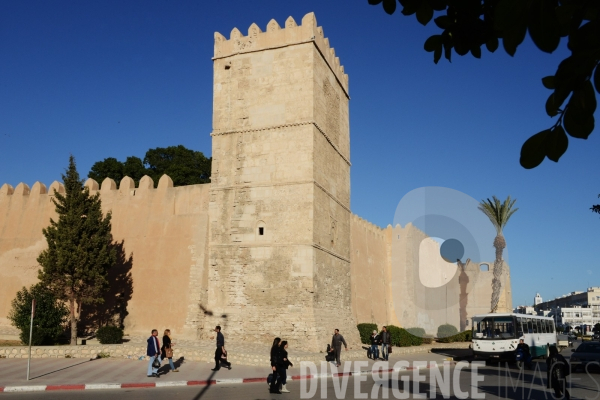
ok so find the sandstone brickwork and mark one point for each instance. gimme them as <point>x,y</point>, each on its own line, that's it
<point>163,234</point>
<point>270,246</point>
<point>280,186</point>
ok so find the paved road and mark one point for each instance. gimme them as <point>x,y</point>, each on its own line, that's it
<point>494,381</point>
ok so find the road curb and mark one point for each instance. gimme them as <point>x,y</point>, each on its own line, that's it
<point>105,386</point>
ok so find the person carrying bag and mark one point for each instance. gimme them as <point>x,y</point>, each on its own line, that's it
<point>167,349</point>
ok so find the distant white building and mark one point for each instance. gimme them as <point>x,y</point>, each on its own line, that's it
<point>525,310</point>
<point>577,316</point>
<point>537,300</point>
<point>574,309</point>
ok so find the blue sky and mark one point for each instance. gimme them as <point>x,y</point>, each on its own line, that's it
<point>113,79</point>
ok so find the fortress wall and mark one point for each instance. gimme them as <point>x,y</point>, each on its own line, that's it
<point>163,230</point>
<point>399,277</point>
<point>371,298</point>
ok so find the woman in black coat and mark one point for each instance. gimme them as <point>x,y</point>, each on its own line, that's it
<point>167,344</point>
<point>556,374</point>
<point>274,357</point>
<point>282,365</point>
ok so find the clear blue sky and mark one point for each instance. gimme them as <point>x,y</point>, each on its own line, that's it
<point>114,78</point>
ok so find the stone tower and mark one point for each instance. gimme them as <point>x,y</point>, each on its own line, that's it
<point>279,208</point>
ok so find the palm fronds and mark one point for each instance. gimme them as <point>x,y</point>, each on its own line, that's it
<point>498,213</point>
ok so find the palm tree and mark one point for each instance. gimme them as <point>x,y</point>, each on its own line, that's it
<point>499,214</point>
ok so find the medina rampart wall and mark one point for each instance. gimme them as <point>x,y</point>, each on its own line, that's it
<point>162,234</point>
<point>399,277</point>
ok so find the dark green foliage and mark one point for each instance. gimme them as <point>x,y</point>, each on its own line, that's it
<point>50,315</point>
<point>79,255</point>
<point>446,330</point>
<point>365,331</point>
<point>184,166</point>
<point>109,335</point>
<point>402,338</point>
<point>465,336</point>
<point>396,335</point>
<point>416,336</point>
<point>596,208</point>
<point>466,26</point>
<point>109,168</point>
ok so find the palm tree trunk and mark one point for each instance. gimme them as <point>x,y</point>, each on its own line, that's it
<point>499,244</point>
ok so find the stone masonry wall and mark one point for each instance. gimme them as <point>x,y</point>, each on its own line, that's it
<point>280,194</point>
<point>163,235</point>
<point>395,272</point>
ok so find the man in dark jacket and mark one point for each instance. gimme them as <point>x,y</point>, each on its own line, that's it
<point>336,345</point>
<point>524,347</point>
<point>385,338</point>
<point>220,350</point>
<point>153,351</point>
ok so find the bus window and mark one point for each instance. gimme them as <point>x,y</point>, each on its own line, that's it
<point>543,328</point>
<point>504,327</point>
<point>529,326</point>
<point>483,328</point>
<point>534,326</point>
<point>520,327</point>
<point>536,322</point>
<point>552,327</point>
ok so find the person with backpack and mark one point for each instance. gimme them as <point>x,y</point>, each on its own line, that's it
<point>274,359</point>
<point>375,345</point>
<point>556,374</point>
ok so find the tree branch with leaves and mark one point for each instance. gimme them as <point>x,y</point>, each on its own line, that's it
<point>468,25</point>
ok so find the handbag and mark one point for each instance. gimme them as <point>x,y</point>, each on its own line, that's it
<point>156,363</point>
<point>169,352</point>
<point>389,349</point>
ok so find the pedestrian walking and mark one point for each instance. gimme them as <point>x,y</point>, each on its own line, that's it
<point>385,341</point>
<point>274,359</point>
<point>166,351</point>
<point>557,370</point>
<point>375,345</point>
<point>282,366</point>
<point>220,352</point>
<point>336,345</point>
<point>153,351</point>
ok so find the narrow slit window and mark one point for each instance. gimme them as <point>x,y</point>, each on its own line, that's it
<point>261,231</point>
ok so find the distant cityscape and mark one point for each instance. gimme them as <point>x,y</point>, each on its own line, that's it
<point>576,310</point>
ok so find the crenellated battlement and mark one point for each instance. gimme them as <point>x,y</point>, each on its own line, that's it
<point>126,186</point>
<point>275,36</point>
<point>369,226</point>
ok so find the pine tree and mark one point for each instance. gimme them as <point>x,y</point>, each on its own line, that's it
<point>75,265</point>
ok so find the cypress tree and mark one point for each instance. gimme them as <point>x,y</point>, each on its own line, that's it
<point>75,265</point>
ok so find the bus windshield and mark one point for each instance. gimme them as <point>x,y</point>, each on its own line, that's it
<point>494,328</point>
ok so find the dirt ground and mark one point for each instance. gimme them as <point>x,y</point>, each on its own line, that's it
<point>10,342</point>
